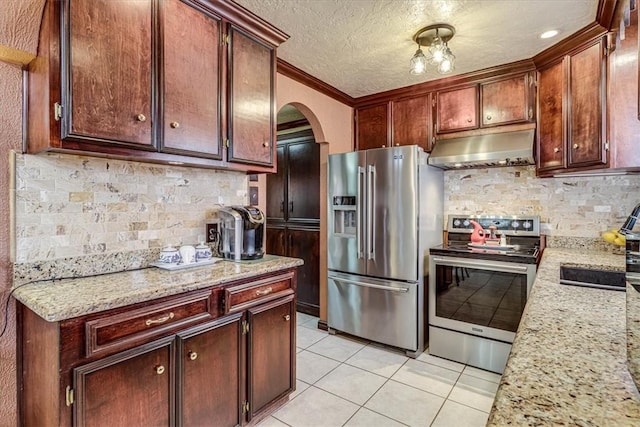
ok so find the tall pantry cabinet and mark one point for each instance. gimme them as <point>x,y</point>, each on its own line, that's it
<point>293,213</point>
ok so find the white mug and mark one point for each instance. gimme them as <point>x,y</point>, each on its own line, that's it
<point>188,254</point>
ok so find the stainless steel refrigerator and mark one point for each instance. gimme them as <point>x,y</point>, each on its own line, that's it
<point>385,212</point>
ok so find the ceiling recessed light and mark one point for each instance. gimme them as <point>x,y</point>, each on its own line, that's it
<point>549,34</point>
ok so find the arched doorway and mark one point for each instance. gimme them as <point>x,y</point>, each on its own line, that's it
<point>293,204</point>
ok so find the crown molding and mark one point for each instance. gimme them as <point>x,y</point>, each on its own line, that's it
<point>306,79</point>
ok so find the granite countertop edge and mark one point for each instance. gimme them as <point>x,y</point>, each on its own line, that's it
<point>60,299</point>
<point>567,364</point>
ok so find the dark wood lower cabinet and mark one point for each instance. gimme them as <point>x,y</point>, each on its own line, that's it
<point>300,242</point>
<point>271,352</point>
<point>210,380</point>
<point>230,368</point>
<point>132,388</point>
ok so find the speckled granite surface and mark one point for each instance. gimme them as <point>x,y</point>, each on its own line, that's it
<point>568,362</point>
<point>56,300</point>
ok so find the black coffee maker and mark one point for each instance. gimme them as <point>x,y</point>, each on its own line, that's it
<point>241,232</point>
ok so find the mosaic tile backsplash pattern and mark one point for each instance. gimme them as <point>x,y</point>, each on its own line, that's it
<point>68,206</point>
<point>575,207</point>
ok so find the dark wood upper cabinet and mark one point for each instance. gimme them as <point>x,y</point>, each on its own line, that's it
<point>622,96</point>
<point>372,127</point>
<point>507,101</point>
<point>192,53</point>
<point>550,132</point>
<point>411,122</point>
<point>277,187</point>
<point>251,99</point>
<point>155,80</point>
<point>571,113</point>
<point>108,72</point>
<point>457,109</point>
<point>303,193</point>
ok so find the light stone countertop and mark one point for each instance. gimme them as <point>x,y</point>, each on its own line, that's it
<point>568,361</point>
<point>56,300</point>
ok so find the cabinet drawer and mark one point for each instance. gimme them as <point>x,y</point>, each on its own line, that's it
<point>240,297</point>
<point>105,333</point>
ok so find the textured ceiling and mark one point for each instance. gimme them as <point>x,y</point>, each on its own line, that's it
<point>364,46</point>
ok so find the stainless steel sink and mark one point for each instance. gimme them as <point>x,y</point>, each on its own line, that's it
<point>592,278</point>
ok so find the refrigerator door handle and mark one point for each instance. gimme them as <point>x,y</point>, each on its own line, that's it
<point>360,208</point>
<point>371,213</point>
<point>370,285</point>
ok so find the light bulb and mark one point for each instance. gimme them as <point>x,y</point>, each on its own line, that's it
<point>418,62</point>
<point>448,61</point>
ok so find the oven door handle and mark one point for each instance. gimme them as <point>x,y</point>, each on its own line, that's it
<point>483,265</point>
<point>371,285</point>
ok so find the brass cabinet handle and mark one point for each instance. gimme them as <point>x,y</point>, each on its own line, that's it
<point>555,150</point>
<point>162,319</point>
<point>193,355</point>
<point>287,317</point>
<point>160,370</point>
<point>174,125</point>
<point>141,118</point>
<point>575,146</point>
<point>265,144</point>
<point>488,116</point>
<point>530,115</point>
<point>469,120</point>
<point>264,291</point>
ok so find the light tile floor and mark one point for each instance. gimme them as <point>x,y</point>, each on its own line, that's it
<point>342,381</point>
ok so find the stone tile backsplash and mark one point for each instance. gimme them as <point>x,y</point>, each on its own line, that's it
<point>68,206</point>
<point>572,207</point>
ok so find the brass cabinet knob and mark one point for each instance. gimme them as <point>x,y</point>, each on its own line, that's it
<point>287,317</point>
<point>555,150</point>
<point>265,144</point>
<point>575,146</point>
<point>174,125</point>
<point>141,118</point>
<point>469,120</point>
<point>160,370</point>
<point>193,355</point>
<point>488,116</point>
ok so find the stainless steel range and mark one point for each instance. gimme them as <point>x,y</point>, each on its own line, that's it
<point>478,290</point>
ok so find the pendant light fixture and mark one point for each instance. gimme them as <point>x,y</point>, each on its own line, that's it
<point>436,38</point>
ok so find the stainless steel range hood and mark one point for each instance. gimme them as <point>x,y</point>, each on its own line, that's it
<point>481,151</point>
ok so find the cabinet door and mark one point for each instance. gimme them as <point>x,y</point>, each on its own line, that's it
<point>305,244</point>
<point>550,133</point>
<point>108,73</point>
<point>192,53</point>
<point>372,127</point>
<point>251,99</point>
<point>457,109</point>
<point>132,388</point>
<point>303,194</point>
<point>209,384</point>
<point>586,98</point>
<point>412,122</point>
<point>276,241</point>
<point>506,101</point>
<point>276,184</point>
<point>271,353</point>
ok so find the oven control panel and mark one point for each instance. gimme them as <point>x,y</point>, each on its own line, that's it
<point>510,225</point>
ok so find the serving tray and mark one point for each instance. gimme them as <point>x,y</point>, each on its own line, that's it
<point>166,266</point>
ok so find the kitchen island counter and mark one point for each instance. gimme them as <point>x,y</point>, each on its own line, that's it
<point>568,361</point>
<point>57,300</point>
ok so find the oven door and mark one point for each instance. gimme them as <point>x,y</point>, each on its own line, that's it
<point>478,297</point>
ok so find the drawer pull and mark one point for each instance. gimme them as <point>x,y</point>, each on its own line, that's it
<point>141,118</point>
<point>264,291</point>
<point>287,317</point>
<point>556,149</point>
<point>576,146</point>
<point>160,370</point>
<point>162,319</point>
<point>193,355</point>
